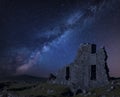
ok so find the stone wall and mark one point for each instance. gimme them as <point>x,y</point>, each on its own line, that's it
<point>87,71</point>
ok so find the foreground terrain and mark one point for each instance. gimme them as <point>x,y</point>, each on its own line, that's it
<point>41,88</point>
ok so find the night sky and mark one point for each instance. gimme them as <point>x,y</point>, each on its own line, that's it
<point>40,36</point>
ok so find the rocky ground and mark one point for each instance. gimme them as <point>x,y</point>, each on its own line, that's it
<point>44,89</point>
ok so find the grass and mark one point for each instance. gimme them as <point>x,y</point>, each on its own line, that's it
<point>44,89</point>
<point>53,90</point>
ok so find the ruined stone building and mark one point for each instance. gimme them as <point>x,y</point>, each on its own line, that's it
<point>89,69</point>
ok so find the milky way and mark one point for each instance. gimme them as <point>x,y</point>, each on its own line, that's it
<point>38,40</point>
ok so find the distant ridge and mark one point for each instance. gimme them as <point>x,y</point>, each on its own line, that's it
<point>28,78</point>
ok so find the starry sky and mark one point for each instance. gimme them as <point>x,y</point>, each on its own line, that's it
<point>38,37</point>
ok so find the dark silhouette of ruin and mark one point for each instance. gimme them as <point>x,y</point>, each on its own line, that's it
<point>89,69</point>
